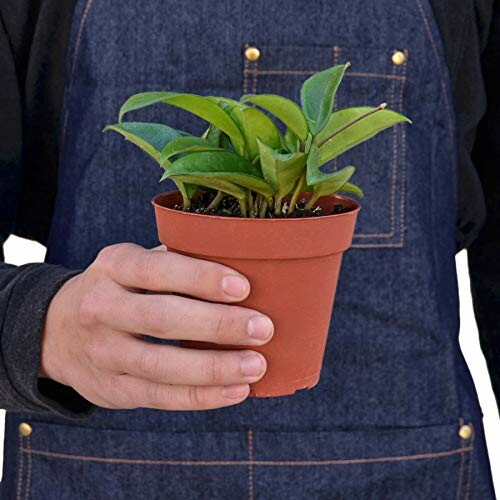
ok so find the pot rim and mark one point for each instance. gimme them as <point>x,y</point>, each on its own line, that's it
<point>356,207</point>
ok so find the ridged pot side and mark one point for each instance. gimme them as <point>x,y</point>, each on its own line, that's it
<point>293,267</point>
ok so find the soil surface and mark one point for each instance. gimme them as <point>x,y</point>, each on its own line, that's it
<point>229,207</point>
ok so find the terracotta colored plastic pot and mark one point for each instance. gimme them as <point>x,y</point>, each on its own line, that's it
<point>293,267</point>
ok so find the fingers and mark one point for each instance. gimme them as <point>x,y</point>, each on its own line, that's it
<point>180,366</point>
<point>132,392</point>
<point>162,271</point>
<point>174,317</point>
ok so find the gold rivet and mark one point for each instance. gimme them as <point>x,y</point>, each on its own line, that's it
<point>465,432</point>
<point>25,429</point>
<point>252,53</point>
<point>398,58</point>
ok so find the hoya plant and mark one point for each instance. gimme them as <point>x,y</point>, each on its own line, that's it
<point>244,155</point>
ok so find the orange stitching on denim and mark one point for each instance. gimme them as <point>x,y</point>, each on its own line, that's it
<point>462,459</point>
<point>335,55</point>
<point>245,72</point>
<point>255,74</point>
<point>471,462</point>
<point>312,72</point>
<point>402,206</point>
<point>28,474</point>
<point>250,465</point>
<point>73,68</point>
<point>20,471</point>
<point>444,89</point>
<point>246,463</point>
<point>377,245</point>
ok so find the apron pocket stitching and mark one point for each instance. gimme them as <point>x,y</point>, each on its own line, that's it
<point>20,469</point>
<point>462,464</point>
<point>253,462</point>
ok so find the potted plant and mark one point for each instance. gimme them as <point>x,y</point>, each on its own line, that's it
<point>256,199</point>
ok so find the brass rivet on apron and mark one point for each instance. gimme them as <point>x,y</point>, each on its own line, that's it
<point>398,58</point>
<point>252,53</point>
<point>25,429</point>
<point>465,432</point>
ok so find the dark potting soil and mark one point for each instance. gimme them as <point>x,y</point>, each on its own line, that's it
<point>229,207</point>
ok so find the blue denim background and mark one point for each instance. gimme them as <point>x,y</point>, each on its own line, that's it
<point>394,384</point>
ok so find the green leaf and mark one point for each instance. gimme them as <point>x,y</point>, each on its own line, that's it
<point>200,106</point>
<point>281,170</point>
<point>255,125</point>
<point>291,141</point>
<point>322,183</point>
<point>185,145</point>
<point>150,137</point>
<point>223,165</point>
<point>334,182</point>
<point>352,126</point>
<point>317,95</point>
<point>284,109</point>
<point>214,183</point>
<point>348,187</point>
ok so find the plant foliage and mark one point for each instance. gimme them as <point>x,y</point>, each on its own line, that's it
<point>244,155</point>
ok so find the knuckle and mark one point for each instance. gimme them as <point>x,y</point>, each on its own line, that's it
<point>106,257</point>
<point>148,363</point>
<point>147,267</point>
<point>215,370</point>
<point>195,398</point>
<point>158,395</point>
<point>222,324</point>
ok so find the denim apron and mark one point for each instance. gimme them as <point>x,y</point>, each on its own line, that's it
<point>395,414</point>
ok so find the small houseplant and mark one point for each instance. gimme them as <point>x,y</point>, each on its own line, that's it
<point>256,199</point>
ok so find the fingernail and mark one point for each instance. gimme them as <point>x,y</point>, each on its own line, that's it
<point>252,365</point>
<point>235,286</point>
<point>260,327</point>
<point>235,391</point>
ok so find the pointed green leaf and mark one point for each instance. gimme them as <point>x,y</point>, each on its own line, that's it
<point>198,105</point>
<point>281,170</point>
<point>325,183</point>
<point>255,125</point>
<point>150,137</point>
<point>223,165</point>
<point>348,187</point>
<point>185,145</point>
<point>352,126</point>
<point>317,95</point>
<point>284,109</point>
<point>334,182</point>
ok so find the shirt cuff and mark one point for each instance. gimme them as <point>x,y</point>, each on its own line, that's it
<point>30,294</point>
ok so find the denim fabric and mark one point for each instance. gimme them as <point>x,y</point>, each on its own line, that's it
<point>383,421</point>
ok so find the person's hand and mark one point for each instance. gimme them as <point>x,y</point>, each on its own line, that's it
<point>93,338</point>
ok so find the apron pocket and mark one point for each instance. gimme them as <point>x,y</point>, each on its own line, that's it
<point>381,162</point>
<point>70,462</point>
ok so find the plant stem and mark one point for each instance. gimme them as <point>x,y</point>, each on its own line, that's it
<point>296,193</point>
<point>250,204</point>
<point>216,201</point>
<point>277,206</point>
<point>312,201</point>
<point>380,107</point>
<point>243,207</point>
<point>263,209</point>
<point>186,201</point>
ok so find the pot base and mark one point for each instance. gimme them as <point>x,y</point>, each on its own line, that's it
<point>288,389</point>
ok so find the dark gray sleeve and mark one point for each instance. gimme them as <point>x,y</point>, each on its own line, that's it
<point>32,46</point>
<point>484,253</point>
<point>25,294</point>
